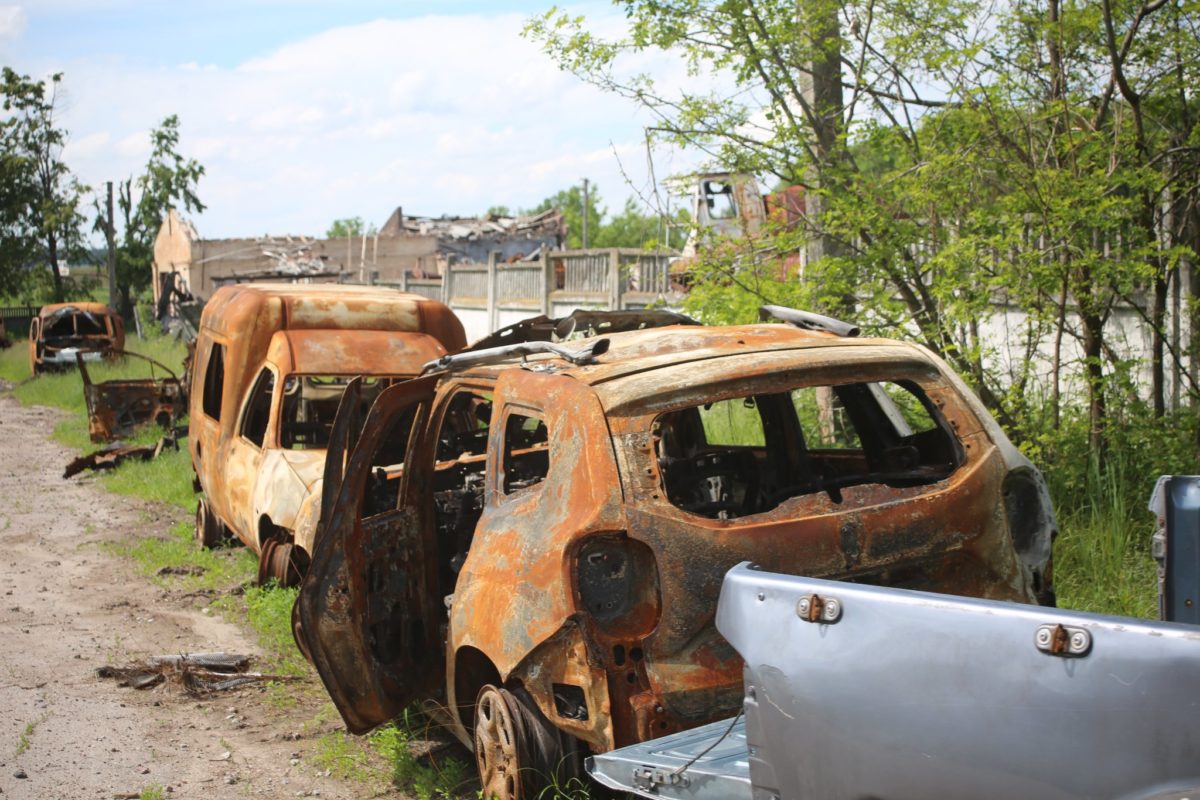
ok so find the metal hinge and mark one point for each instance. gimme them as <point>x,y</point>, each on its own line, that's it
<point>1062,640</point>
<point>650,778</point>
<point>814,608</point>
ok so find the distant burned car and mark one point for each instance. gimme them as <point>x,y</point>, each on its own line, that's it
<point>535,534</point>
<point>271,363</point>
<point>118,407</point>
<point>62,330</point>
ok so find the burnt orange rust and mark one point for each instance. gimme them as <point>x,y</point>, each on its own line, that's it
<point>118,408</point>
<point>521,610</point>
<point>260,491</point>
<point>61,329</point>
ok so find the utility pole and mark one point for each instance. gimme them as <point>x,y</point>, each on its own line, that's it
<point>585,213</point>
<point>110,236</point>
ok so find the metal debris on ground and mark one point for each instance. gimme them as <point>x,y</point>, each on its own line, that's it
<point>113,455</point>
<point>118,408</point>
<point>195,673</point>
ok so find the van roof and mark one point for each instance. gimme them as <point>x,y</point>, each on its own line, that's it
<point>90,308</point>
<point>235,309</point>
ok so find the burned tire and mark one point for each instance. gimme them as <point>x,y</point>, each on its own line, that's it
<point>209,530</point>
<point>283,562</point>
<point>518,753</point>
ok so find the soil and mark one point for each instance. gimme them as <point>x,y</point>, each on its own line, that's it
<point>69,605</point>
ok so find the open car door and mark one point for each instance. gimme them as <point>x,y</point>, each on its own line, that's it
<point>862,691</point>
<point>365,615</point>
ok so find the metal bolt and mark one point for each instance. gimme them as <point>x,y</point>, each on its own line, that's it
<point>804,607</point>
<point>1080,642</point>
<point>832,611</point>
<point>1044,637</point>
<point>762,596</point>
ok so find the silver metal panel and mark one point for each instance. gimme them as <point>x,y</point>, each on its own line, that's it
<point>911,696</point>
<point>1176,502</point>
<point>720,774</point>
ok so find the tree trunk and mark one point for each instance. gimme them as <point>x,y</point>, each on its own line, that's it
<point>1093,352</point>
<point>52,257</point>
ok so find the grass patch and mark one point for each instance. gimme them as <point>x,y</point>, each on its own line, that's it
<point>155,792</point>
<point>216,569</point>
<point>268,609</point>
<point>439,779</point>
<point>343,755</point>
<point>166,479</point>
<point>23,739</point>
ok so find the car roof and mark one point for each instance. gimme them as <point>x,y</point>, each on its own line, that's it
<point>91,308</point>
<point>644,362</point>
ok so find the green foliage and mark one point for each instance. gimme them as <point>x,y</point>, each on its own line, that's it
<point>168,181</point>
<point>630,228</point>
<point>40,218</point>
<point>342,755</point>
<point>177,560</point>
<point>350,226</point>
<point>269,611</point>
<point>155,792</point>
<point>438,779</point>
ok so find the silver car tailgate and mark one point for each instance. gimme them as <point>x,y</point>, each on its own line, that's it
<point>910,695</point>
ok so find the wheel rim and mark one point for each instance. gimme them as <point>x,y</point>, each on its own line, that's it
<point>496,752</point>
<point>282,561</point>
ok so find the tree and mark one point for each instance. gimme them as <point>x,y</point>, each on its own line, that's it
<point>956,154</point>
<point>349,226</point>
<point>40,221</point>
<point>169,181</point>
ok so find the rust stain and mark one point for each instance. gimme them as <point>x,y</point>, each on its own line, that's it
<point>117,408</point>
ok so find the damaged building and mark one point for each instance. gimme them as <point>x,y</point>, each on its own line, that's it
<point>186,265</point>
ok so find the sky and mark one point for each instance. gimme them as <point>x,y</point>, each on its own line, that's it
<point>304,112</point>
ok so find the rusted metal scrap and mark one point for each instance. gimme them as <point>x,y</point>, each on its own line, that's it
<point>110,457</point>
<point>117,408</point>
<point>195,673</point>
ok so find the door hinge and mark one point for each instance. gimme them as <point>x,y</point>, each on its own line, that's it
<point>650,778</point>
<point>814,608</point>
<point>1062,640</point>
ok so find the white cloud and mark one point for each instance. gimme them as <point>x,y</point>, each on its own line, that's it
<point>438,114</point>
<point>12,23</point>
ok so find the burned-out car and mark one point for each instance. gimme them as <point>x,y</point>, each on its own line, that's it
<point>62,330</point>
<point>117,408</point>
<point>271,363</point>
<point>535,535</point>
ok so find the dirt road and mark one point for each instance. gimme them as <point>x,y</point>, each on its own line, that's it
<point>68,606</point>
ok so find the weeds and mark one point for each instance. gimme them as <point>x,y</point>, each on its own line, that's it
<point>268,609</point>
<point>154,792</point>
<point>439,780</point>
<point>23,739</point>
<point>186,563</point>
<point>343,756</point>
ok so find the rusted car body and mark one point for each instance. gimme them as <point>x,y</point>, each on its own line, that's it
<point>118,408</point>
<point>61,330</point>
<point>271,364</point>
<point>547,561</point>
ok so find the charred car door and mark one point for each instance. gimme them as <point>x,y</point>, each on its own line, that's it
<point>367,615</point>
<point>859,691</point>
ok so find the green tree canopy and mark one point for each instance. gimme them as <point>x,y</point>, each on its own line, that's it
<point>41,224</point>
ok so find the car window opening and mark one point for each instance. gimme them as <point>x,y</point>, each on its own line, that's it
<point>258,408</point>
<point>460,463</point>
<point>387,465</point>
<point>526,452</point>
<point>214,381</point>
<point>734,457</point>
<point>310,403</point>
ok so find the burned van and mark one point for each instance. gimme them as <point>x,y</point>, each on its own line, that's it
<point>272,362</point>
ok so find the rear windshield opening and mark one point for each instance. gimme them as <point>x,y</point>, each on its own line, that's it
<point>310,402</point>
<point>745,455</point>
<point>80,324</point>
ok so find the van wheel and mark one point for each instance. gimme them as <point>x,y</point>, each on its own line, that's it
<point>209,530</point>
<point>283,562</point>
<point>518,752</point>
